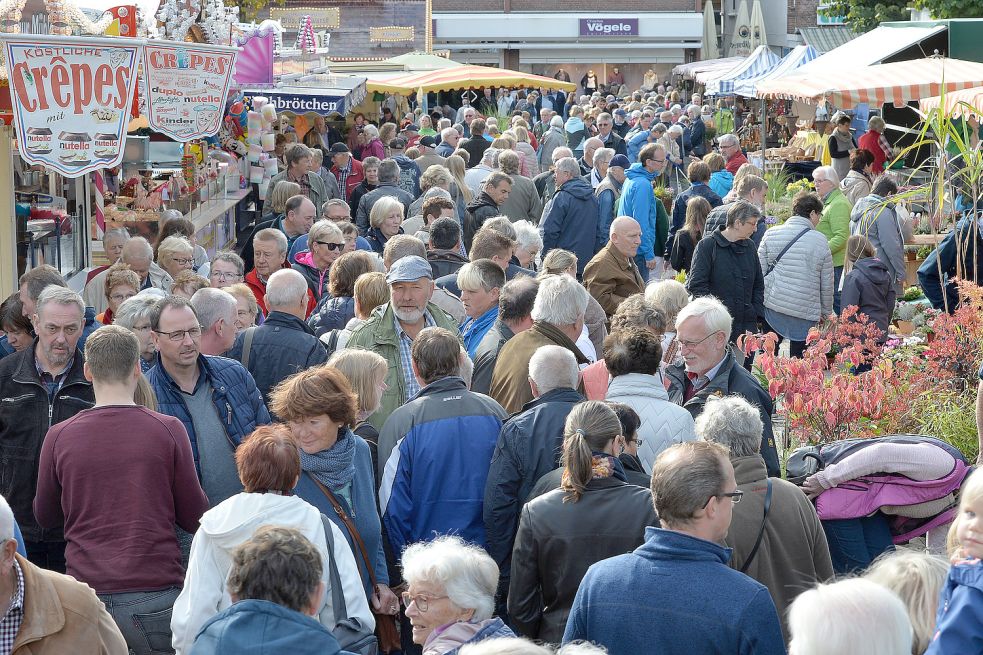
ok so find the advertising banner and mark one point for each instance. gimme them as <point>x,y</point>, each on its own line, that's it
<point>185,86</point>
<point>71,99</point>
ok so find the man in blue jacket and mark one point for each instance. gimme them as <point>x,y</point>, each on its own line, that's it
<point>434,480</point>
<point>684,599</point>
<point>958,255</point>
<point>571,216</point>
<point>639,202</point>
<point>215,398</point>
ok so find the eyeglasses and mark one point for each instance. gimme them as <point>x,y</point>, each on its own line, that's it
<point>120,297</point>
<point>694,344</point>
<point>182,261</point>
<point>177,336</point>
<point>660,161</point>
<point>735,496</point>
<point>422,602</point>
<point>330,245</point>
<point>220,275</point>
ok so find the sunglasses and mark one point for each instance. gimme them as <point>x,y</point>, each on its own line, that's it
<point>330,245</point>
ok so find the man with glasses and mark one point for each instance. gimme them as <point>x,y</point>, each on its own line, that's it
<point>684,597</point>
<point>326,243</point>
<point>607,135</point>
<point>710,369</point>
<point>730,148</point>
<point>215,398</point>
<point>227,268</point>
<point>638,201</point>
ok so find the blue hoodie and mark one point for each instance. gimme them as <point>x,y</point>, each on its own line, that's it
<point>721,182</point>
<point>638,201</point>
<point>959,621</point>
<point>635,143</point>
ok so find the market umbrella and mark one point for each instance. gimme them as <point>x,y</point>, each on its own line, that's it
<point>423,61</point>
<point>466,77</point>
<point>740,42</point>
<point>799,56</point>
<point>710,49</point>
<point>963,103</point>
<point>759,35</point>
<point>900,82</point>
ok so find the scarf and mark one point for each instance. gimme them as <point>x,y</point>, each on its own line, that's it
<point>334,467</point>
<point>843,141</point>
<point>602,466</point>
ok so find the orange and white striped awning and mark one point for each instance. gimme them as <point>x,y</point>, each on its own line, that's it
<point>898,83</point>
<point>464,77</point>
<point>962,103</point>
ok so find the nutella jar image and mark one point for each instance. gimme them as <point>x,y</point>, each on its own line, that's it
<point>106,146</point>
<point>75,148</point>
<point>39,140</point>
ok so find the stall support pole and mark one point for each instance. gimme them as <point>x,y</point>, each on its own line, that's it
<point>8,232</point>
<point>764,133</point>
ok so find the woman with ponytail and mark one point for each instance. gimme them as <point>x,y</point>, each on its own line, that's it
<point>594,515</point>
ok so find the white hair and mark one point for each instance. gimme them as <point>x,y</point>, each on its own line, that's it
<point>553,367</point>
<point>137,249</point>
<point>60,296</point>
<point>729,140</point>
<point>468,575</point>
<point>138,307</point>
<point>568,165</point>
<point>603,154</point>
<point>527,235</point>
<point>849,617</point>
<point>466,368</point>
<point>593,141</point>
<point>115,233</point>
<point>581,648</point>
<point>446,133</point>
<point>285,288</point>
<point>561,300</point>
<point>733,422</point>
<point>505,646</point>
<point>715,316</point>
<point>212,305</point>
<point>675,129</point>
<point>556,121</point>
<point>370,131</point>
<point>489,156</point>
<point>828,172</point>
<point>560,152</point>
<point>6,521</point>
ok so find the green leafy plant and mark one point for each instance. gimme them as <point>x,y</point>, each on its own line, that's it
<point>799,185</point>
<point>778,181</point>
<point>950,416</point>
<point>912,293</point>
<point>924,252</point>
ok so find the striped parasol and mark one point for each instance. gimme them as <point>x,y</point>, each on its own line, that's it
<point>898,83</point>
<point>465,77</point>
<point>963,103</point>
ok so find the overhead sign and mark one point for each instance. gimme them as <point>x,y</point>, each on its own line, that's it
<point>608,27</point>
<point>71,98</point>
<point>391,34</point>
<point>185,85</point>
<point>302,101</point>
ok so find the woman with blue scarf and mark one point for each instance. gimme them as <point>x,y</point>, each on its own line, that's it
<point>480,282</point>
<point>594,515</point>
<point>336,469</point>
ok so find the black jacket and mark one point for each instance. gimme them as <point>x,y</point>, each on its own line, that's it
<point>475,146</point>
<point>558,541</point>
<point>529,446</point>
<point>246,252</point>
<point>25,416</point>
<point>683,247</point>
<point>731,378</point>
<point>478,211</point>
<point>616,142</point>
<point>360,190</point>
<point>869,286</point>
<point>364,208</point>
<point>281,346</point>
<point>316,281</point>
<point>487,354</point>
<point>730,272</point>
<point>445,262</point>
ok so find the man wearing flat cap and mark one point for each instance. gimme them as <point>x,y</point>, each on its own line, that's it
<point>391,332</point>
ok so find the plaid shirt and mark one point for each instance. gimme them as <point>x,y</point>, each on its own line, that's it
<point>305,184</point>
<point>885,146</point>
<point>53,381</point>
<point>10,625</point>
<point>342,176</point>
<point>406,356</point>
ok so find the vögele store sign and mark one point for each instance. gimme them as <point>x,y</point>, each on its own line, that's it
<point>608,27</point>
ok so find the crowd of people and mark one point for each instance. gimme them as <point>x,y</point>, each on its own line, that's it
<point>448,397</point>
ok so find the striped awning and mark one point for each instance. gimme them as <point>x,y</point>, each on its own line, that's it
<point>827,37</point>
<point>799,56</point>
<point>962,103</point>
<point>721,68</point>
<point>690,70</point>
<point>758,63</point>
<point>465,77</point>
<point>898,83</point>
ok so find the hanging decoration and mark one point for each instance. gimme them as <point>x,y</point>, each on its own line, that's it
<point>217,20</point>
<point>306,41</point>
<point>176,18</point>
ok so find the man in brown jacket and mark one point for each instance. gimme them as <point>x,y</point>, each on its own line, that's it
<point>48,613</point>
<point>558,319</point>
<point>611,276</point>
<point>792,555</point>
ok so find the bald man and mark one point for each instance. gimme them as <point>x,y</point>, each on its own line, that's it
<point>611,276</point>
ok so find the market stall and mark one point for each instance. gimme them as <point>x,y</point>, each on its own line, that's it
<point>957,103</point>
<point>466,77</point>
<point>692,69</point>
<point>757,63</point>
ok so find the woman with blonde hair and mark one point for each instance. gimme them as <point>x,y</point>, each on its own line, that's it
<point>594,515</point>
<point>721,179</point>
<point>670,296</point>
<point>742,172</point>
<point>121,285</point>
<point>385,222</point>
<point>530,167</point>
<point>457,166</point>
<point>917,579</point>
<point>247,309</point>
<point>175,254</point>
<point>366,373</point>
<point>867,283</point>
<point>282,192</point>
<point>683,246</point>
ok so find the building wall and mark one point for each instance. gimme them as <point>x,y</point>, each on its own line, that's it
<point>803,14</point>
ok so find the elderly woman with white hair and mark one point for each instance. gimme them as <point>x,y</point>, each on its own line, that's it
<point>134,315</point>
<point>450,595</point>
<point>385,222</point>
<point>175,254</point>
<point>875,141</point>
<point>786,550</point>
<point>325,245</point>
<point>528,244</point>
<point>373,144</point>
<point>671,141</point>
<point>849,617</point>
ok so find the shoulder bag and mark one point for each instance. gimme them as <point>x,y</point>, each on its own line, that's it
<point>385,624</point>
<point>349,632</point>
<point>761,531</point>
<point>791,243</point>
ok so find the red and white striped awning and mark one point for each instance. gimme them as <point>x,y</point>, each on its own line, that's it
<point>899,83</point>
<point>963,103</point>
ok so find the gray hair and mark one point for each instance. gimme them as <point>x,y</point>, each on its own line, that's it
<point>729,140</point>
<point>60,296</point>
<point>230,258</point>
<point>434,177</point>
<point>559,153</point>
<point>271,234</point>
<point>466,370</point>
<point>502,225</point>
<point>553,367</point>
<point>382,207</point>
<point>715,316</point>
<point>593,142</point>
<point>173,246</point>
<point>446,133</point>
<point>388,172</point>
<point>336,201</point>
<point>568,165</point>
<point>828,172</point>
<point>603,155</point>
<point>876,123</point>
<point>322,229</point>
<point>527,235</point>
<point>212,305</point>
<point>285,288</point>
<point>561,300</point>
<point>468,575</point>
<point>135,309</point>
<point>556,121</point>
<point>581,648</point>
<point>733,422</point>
<point>6,521</point>
<point>116,232</point>
<point>370,131</point>
<point>668,295</point>
<point>137,249</point>
<point>490,157</point>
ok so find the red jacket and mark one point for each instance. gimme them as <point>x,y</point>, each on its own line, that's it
<point>871,140</point>
<point>259,291</point>
<point>736,162</point>
<point>354,178</point>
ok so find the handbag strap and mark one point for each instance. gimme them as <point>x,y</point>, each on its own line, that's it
<point>334,576</point>
<point>247,345</point>
<point>352,530</point>
<point>761,532</point>
<point>791,243</point>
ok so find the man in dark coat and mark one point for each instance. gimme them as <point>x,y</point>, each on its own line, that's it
<point>571,216</point>
<point>444,248</point>
<point>959,254</point>
<point>610,138</point>
<point>486,205</point>
<point>476,144</point>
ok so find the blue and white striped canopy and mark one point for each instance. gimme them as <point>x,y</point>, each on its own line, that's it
<point>799,56</point>
<point>758,63</point>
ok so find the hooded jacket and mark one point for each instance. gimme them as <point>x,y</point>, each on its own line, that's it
<point>230,523</point>
<point>683,597</point>
<point>729,271</point>
<point>608,192</point>
<point>317,280</point>
<point>874,217</point>
<point>523,203</point>
<point>570,222</point>
<point>869,286</point>
<point>445,262</point>
<point>960,250</point>
<point>639,202</point>
<point>259,627</point>
<point>576,133</point>
<point>721,182</point>
<point>479,210</point>
<point>855,186</point>
<point>835,224</point>
<point>663,422</point>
